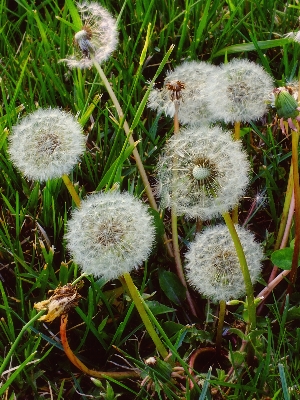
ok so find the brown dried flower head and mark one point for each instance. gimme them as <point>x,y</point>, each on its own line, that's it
<point>64,298</point>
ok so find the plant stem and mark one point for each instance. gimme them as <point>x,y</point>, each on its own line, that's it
<point>295,263</point>
<point>135,152</point>
<point>237,135</point>
<point>128,133</point>
<point>222,309</point>
<point>136,298</point>
<point>71,190</point>
<point>247,280</point>
<point>176,249</point>
<point>74,360</point>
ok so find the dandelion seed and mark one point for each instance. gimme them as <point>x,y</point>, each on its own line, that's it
<point>97,37</point>
<point>202,173</point>
<point>213,267</point>
<point>46,144</point>
<point>110,234</point>
<point>240,92</point>
<point>187,85</point>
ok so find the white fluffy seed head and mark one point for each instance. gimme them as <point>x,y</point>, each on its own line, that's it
<point>213,267</point>
<point>187,85</point>
<point>110,234</point>
<point>202,172</point>
<point>97,37</point>
<point>46,144</point>
<point>240,92</point>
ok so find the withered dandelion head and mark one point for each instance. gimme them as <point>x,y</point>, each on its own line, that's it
<point>110,234</point>
<point>46,144</point>
<point>213,266</point>
<point>97,38</point>
<point>63,299</point>
<point>198,173</point>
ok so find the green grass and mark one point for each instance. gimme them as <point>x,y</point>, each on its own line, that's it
<point>105,329</point>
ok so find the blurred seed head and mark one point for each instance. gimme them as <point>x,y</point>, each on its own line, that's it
<point>213,267</point>
<point>110,234</point>
<point>202,172</point>
<point>97,37</point>
<point>240,92</point>
<point>186,85</point>
<point>46,144</point>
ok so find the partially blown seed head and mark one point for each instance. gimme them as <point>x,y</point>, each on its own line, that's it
<point>110,234</point>
<point>97,37</point>
<point>202,172</point>
<point>187,85</point>
<point>46,144</point>
<point>213,267</point>
<point>240,92</point>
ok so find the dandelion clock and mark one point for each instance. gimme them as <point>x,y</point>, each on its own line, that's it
<point>213,266</point>
<point>46,144</point>
<point>110,234</point>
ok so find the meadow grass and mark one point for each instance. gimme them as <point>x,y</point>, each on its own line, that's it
<point>105,331</point>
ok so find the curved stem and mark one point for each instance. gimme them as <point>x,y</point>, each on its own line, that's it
<point>74,360</point>
<point>222,310</point>
<point>136,298</point>
<point>71,190</point>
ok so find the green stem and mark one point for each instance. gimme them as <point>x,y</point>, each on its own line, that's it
<point>128,133</point>
<point>222,310</point>
<point>135,152</point>
<point>176,249</point>
<point>280,243</point>
<point>286,207</point>
<point>237,136</point>
<point>247,280</point>
<point>16,342</point>
<point>136,298</point>
<point>71,190</point>
<point>295,263</point>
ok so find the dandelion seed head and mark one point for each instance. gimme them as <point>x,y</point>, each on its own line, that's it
<point>97,38</point>
<point>46,144</point>
<point>187,86</point>
<point>202,172</point>
<point>240,92</point>
<point>213,267</point>
<point>110,234</point>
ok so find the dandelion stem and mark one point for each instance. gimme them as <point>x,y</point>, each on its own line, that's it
<point>285,222</point>
<point>74,360</point>
<point>71,189</point>
<point>237,135</point>
<point>247,279</point>
<point>128,133</point>
<point>136,298</point>
<point>295,263</point>
<point>222,309</point>
<point>176,249</point>
<point>135,152</point>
